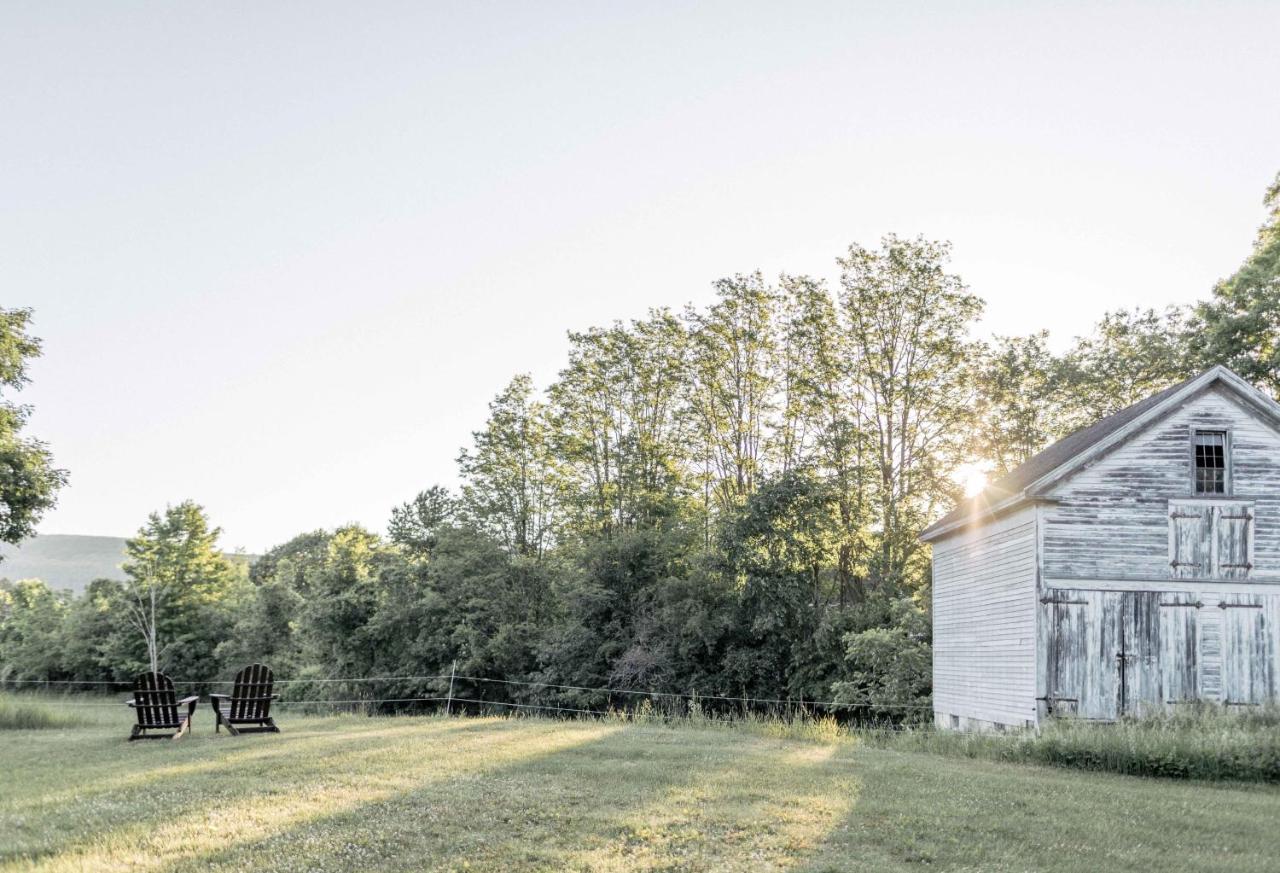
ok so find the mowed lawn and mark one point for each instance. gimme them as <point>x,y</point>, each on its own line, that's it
<point>352,793</point>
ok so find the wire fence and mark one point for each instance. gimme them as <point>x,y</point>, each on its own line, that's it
<point>790,705</point>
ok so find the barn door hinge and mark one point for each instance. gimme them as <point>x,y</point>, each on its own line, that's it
<point>1186,515</point>
<point>1246,517</point>
<point>1236,566</point>
<point>1196,603</point>
<point>1239,606</point>
<point>1048,600</point>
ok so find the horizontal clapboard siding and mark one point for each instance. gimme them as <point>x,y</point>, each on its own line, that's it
<point>984,638</point>
<point>1111,519</point>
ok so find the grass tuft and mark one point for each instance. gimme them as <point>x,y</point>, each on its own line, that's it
<point>18,714</point>
<point>1197,742</point>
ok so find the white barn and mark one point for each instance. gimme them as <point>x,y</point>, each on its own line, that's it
<point>1133,564</point>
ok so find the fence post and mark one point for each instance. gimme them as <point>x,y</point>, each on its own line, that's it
<point>448,704</point>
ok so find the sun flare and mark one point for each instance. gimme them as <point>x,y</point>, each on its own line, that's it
<point>972,478</point>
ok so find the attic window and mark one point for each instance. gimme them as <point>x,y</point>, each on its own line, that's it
<point>1210,447</point>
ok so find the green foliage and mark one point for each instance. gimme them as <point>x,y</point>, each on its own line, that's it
<point>179,591</point>
<point>415,526</point>
<point>723,502</point>
<point>1240,324</point>
<point>512,480</point>
<point>909,322</point>
<point>1020,400</point>
<point>31,618</point>
<point>889,661</point>
<point>1129,356</point>
<point>28,480</point>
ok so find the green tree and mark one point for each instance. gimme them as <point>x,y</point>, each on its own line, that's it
<point>28,480</point>
<point>415,526</point>
<point>889,662</point>
<point>779,548</point>
<point>616,425</point>
<point>31,618</point>
<point>511,486</point>
<point>1018,383</point>
<point>181,589</point>
<point>1129,356</point>
<point>94,630</point>
<point>344,592</point>
<point>733,387</point>
<point>1240,324</point>
<point>908,321</point>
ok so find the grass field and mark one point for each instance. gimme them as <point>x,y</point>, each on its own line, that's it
<point>430,793</point>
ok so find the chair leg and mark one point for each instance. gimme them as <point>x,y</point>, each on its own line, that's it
<point>133,735</point>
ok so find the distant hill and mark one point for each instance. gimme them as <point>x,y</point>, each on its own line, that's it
<point>68,560</point>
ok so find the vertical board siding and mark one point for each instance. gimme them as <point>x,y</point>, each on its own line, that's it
<point>1112,520</point>
<point>1248,648</point>
<point>984,612</point>
<point>1180,649</point>
<point>1083,641</point>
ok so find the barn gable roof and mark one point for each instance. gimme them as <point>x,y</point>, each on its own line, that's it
<point>1043,470</point>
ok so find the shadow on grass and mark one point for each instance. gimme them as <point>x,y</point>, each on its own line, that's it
<point>95,778</point>
<point>237,776</point>
<point>921,810</point>
<point>617,799</point>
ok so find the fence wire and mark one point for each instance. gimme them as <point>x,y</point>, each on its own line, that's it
<point>802,704</point>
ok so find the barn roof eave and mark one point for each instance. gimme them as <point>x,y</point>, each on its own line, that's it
<point>1090,443</point>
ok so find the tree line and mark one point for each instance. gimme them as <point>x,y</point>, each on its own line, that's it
<point>722,500</point>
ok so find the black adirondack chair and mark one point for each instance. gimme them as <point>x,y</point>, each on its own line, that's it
<point>247,709</point>
<point>157,708</point>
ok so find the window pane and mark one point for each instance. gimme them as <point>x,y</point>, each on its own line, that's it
<point>1211,462</point>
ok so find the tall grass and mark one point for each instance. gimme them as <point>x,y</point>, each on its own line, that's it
<point>1197,742</point>
<point>19,713</point>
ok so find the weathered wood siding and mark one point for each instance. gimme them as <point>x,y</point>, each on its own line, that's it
<point>1112,519</point>
<point>984,615</point>
<point>1152,595</point>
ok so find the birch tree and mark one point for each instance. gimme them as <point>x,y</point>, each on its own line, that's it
<point>178,580</point>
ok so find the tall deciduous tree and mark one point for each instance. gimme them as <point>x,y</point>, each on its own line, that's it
<point>616,425</point>
<point>416,525</point>
<point>512,486</point>
<point>1129,355</point>
<point>28,480</point>
<point>1240,324</point>
<point>178,579</point>
<point>908,322</point>
<point>1018,400</point>
<point>732,387</point>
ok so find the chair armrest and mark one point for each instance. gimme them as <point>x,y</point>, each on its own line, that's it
<point>192,699</point>
<point>131,702</point>
<point>219,696</point>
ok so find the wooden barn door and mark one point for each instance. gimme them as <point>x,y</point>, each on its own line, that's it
<point>1248,649</point>
<point>1084,635</point>
<point>1114,653</point>
<point>1180,647</point>
<point>1139,652</point>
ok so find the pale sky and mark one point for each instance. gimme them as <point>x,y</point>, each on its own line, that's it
<point>282,256</point>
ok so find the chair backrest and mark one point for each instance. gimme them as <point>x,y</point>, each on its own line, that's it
<point>251,693</point>
<point>154,700</point>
